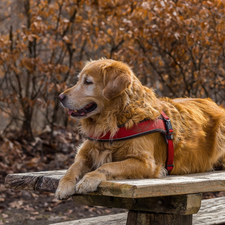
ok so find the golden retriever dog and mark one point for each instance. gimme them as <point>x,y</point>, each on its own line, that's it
<point>107,96</point>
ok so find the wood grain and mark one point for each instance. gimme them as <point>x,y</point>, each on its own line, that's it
<point>37,181</point>
<point>116,219</point>
<point>212,211</point>
<point>170,185</point>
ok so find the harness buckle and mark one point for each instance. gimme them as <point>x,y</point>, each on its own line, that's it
<point>169,136</point>
<point>169,129</point>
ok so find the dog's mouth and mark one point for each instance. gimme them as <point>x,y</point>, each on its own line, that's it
<point>84,111</point>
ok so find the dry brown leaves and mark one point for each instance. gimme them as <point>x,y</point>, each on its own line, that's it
<point>49,151</point>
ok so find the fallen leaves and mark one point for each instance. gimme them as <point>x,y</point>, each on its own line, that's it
<point>27,206</point>
<point>16,204</point>
<point>44,153</point>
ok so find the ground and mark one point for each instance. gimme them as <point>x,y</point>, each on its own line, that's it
<point>29,208</point>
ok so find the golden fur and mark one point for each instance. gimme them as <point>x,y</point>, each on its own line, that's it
<point>199,130</point>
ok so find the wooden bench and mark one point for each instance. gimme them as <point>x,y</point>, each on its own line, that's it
<point>171,200</point>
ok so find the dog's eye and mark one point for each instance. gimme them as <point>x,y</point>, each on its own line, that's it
<point>87,82</point>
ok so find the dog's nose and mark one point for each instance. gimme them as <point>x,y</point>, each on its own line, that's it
<point>61,97</point>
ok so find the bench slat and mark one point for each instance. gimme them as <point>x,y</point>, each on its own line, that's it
<point>212,211</point>
<point>37,181</point>
<point>140,188</point>
<point>116,219</point>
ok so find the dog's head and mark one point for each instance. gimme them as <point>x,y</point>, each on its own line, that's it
<point>100,82</point>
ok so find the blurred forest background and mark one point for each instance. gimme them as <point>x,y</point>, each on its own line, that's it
<point>176,47</point>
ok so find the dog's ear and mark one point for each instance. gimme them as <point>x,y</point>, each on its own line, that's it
<point>116,80</point>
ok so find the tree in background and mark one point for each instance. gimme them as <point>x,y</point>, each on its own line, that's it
<point>36,61</point>
<point>176,47</point>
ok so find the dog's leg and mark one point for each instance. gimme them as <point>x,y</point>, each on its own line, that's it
<point>81,166</point>
<point>128,169</point>
<point>67,184</point>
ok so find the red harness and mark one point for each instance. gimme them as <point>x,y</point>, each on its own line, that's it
<point>162,124</point>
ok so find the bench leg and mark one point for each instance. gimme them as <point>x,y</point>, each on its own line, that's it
<point>145,218</point>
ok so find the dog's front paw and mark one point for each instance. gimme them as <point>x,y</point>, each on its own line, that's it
<point>65,189</point>
<point>89,182</point>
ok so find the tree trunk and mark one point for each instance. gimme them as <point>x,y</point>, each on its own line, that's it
<point>26,129</point>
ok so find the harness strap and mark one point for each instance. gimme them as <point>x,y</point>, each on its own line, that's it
<point>169,138</point>
<point>162,125</point>
<point>142,128</point>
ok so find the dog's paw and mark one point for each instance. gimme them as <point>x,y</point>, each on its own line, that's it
<point>65,190</point>
<point>89,183</point>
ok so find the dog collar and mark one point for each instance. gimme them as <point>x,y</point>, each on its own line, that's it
<point>162,124</point>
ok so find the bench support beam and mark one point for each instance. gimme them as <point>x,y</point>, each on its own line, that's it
<point>145,218</point>
<point>178,204</point>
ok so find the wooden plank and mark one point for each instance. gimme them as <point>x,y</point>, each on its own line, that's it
<point>179,204</point>
<point>37,181</point>
<point>140,188</point>
<point>120,219</point>
<point>116,219</point>
<point>212,211</point>
<point>170,185</point>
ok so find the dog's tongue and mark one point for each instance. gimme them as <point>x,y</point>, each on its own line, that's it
<point>82,113</point>
<point>70,111</point>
